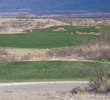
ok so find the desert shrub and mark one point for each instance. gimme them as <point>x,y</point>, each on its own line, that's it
<point>8,58</point>
<point>102,40</point>
<point>100,78</point>
<point>105,52</point>
<point>96,51</point>
<point>77,90</point>
<point>64,52</point>
<point>26,57</point>
<point>5,57</point>
<point>91,51</point>
<point>105,34</point>
<point>3,51</point>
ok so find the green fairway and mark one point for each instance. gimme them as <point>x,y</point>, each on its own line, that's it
<point>47,38</point>
<point>46,70</point>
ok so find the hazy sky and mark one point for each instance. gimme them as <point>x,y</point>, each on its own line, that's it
<point>41,5</point>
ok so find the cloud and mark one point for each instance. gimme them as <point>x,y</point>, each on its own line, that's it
<point>24,9</point>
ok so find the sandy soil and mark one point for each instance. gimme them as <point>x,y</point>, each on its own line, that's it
<point>17,32</point>
<point>77,53</point>
<point>60,29</point>
<point>50,95</point>
<point>35,23</point>
<point>87,33</point>
<point>34,55</point>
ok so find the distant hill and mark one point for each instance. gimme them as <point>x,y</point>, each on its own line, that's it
<point>35,6</point>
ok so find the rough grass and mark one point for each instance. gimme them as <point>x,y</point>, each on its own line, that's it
<point>99,59</point>
<point>46,70</point>
<point>47,38</point>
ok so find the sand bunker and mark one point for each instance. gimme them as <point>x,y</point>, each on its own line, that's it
<point>60,29</point>
<point>86,33</point>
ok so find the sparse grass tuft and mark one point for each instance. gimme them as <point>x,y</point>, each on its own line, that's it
<point>77,90</point>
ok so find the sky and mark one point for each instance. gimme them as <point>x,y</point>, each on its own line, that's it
<point>55,5</point>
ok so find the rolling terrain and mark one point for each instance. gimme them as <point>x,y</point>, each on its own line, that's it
<point>54,49</point>
<point>48,38</point>
<point>51,50</point>
<point>46,70</point>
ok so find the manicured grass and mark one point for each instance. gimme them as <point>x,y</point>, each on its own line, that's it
<point>100,59</point>
<point>47,38</point>
<point>46,70</point>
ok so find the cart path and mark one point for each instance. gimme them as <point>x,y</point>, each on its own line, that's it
<point>46,86</point>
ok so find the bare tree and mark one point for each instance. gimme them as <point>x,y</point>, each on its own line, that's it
<point>100,78</point>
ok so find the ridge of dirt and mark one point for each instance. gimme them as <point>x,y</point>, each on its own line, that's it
<point>16,25</point>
